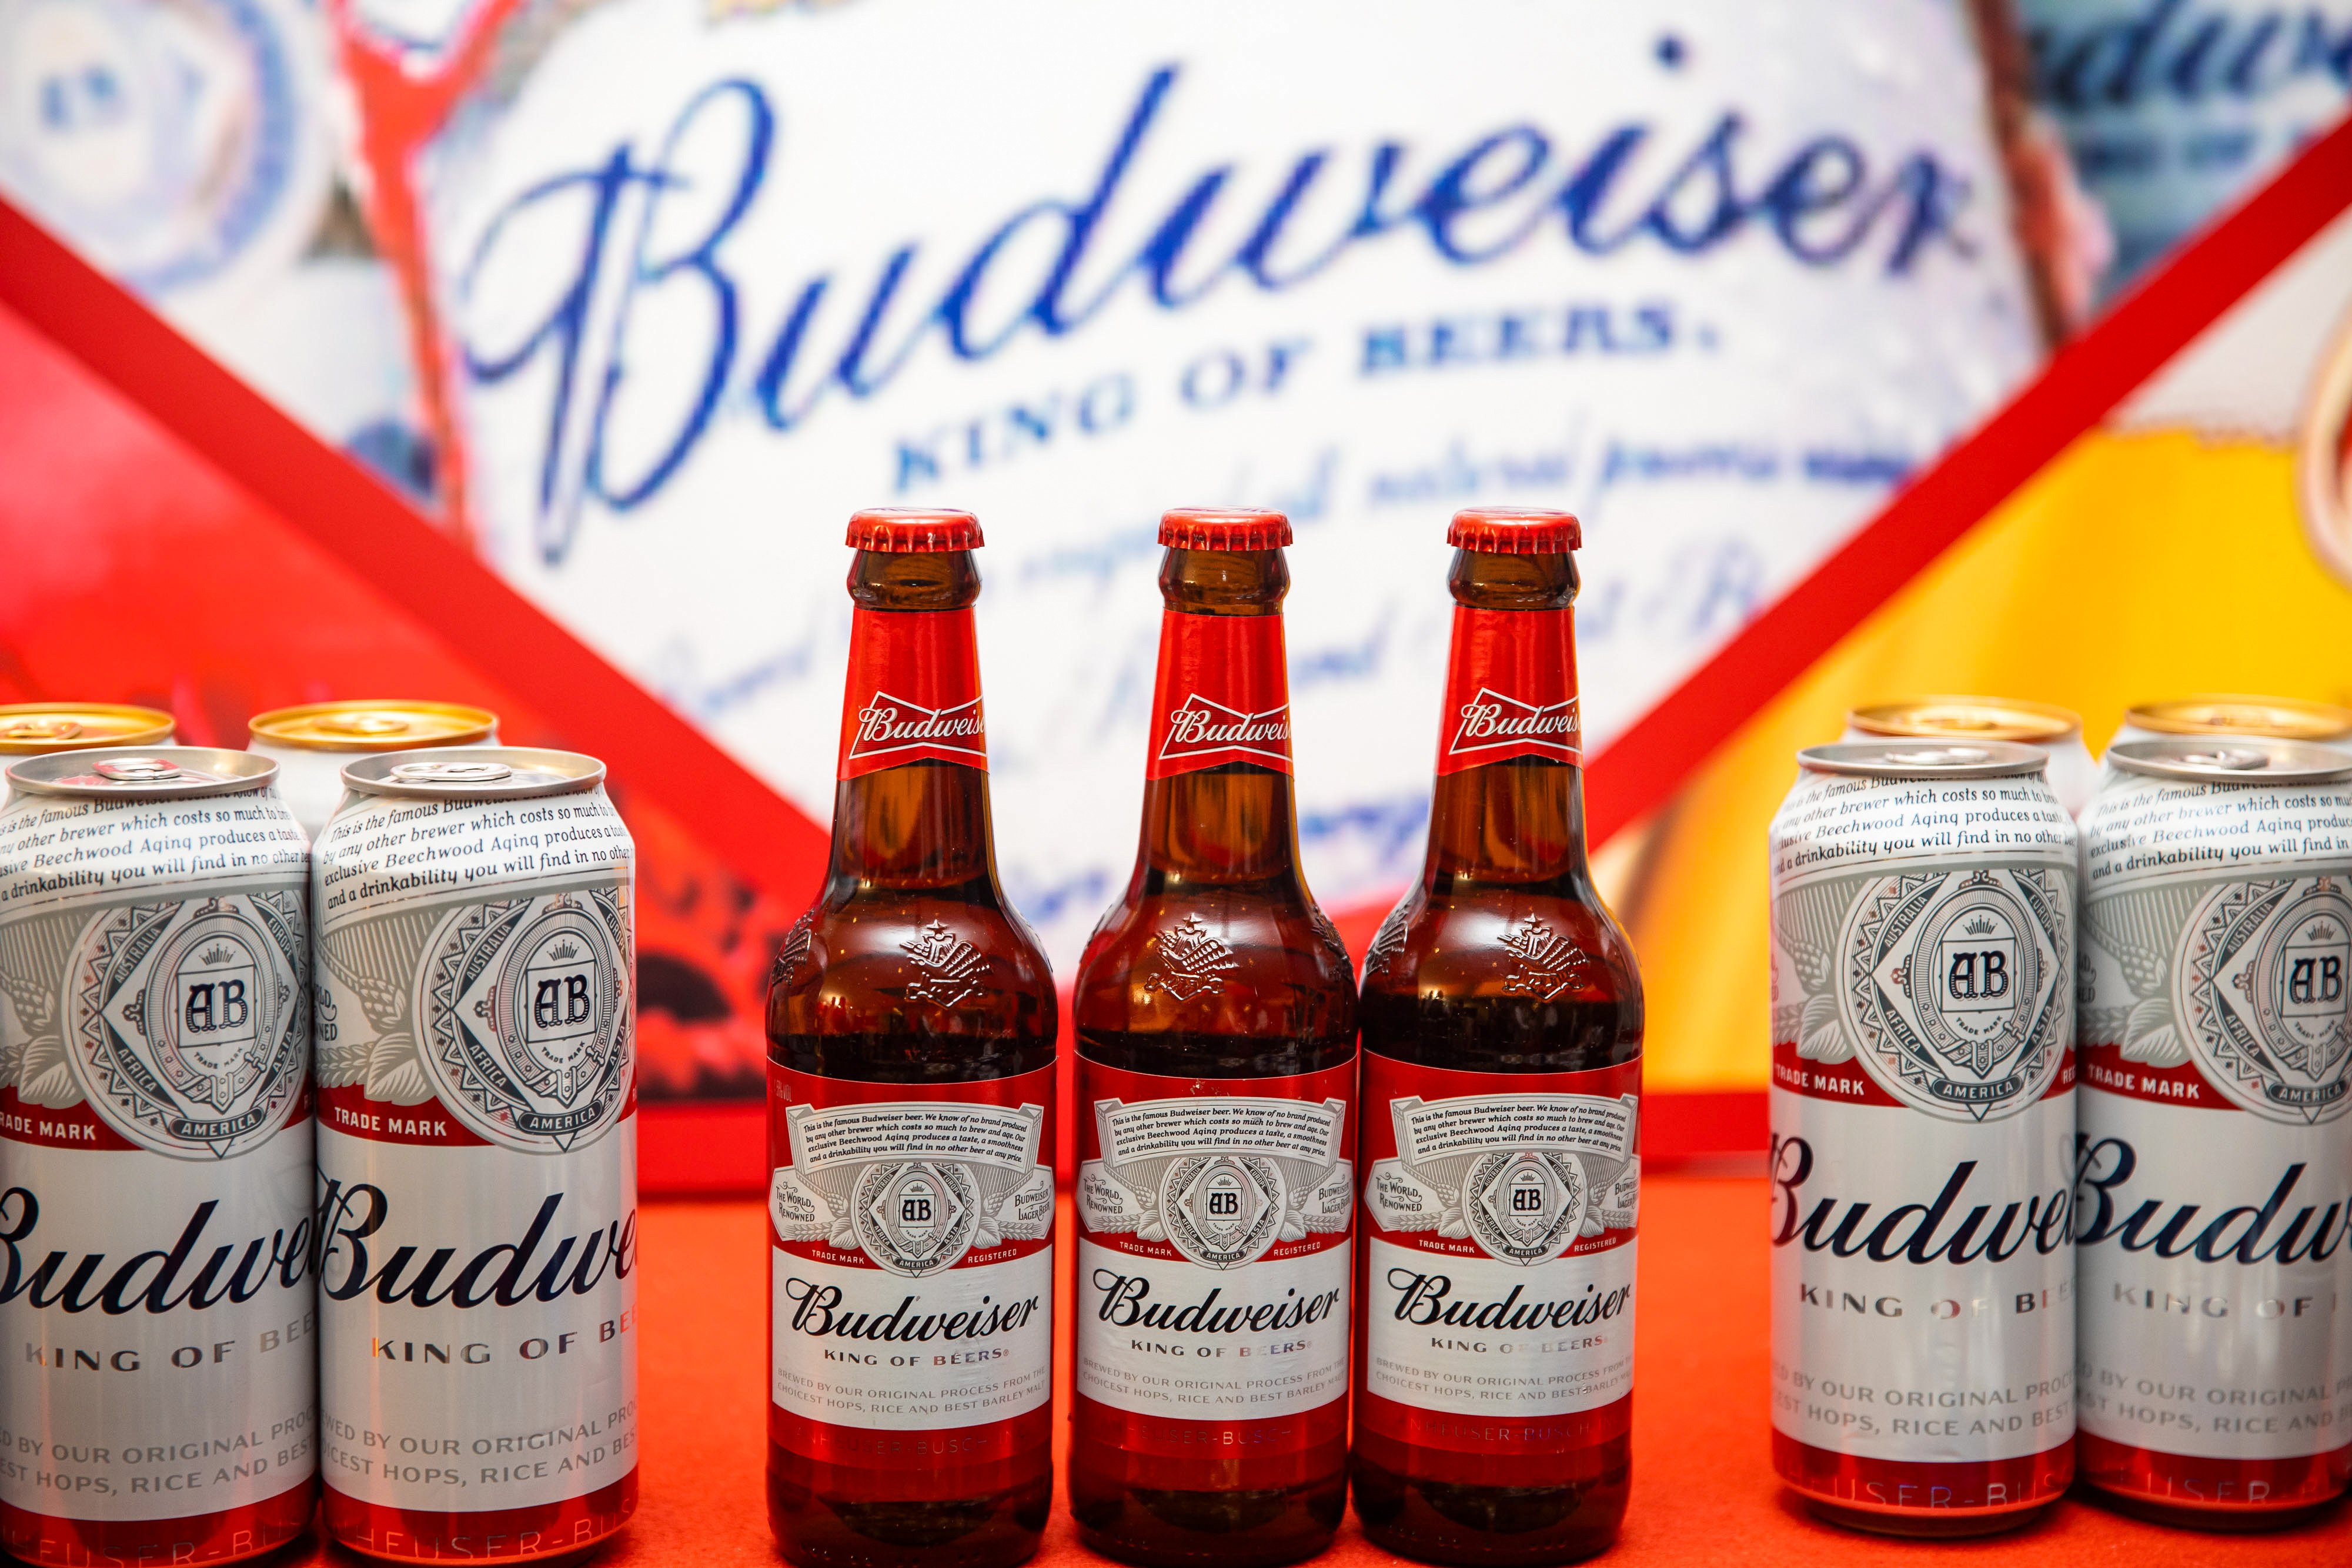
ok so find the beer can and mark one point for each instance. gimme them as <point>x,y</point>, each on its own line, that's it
<point>476,947</point>
<point>159,1398</point>
<point>311,743</point>
<point>1922,1127</point>
<point>2072,773</point>
<point>2213,1208</point>
<point>2260,719</point>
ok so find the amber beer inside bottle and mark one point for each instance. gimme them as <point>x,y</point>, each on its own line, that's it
<point>1501,963</point>
<point>1218,868</point>
<point>912,969</point>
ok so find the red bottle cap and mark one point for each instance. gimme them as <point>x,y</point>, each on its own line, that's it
<point>907,531</point>
<point>1513,530</point>
<point>1209,528</point>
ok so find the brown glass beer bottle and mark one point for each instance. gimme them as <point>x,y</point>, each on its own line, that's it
<point>1216,1021</point>
<point>1502,1033</point>
<point>911,1022</point>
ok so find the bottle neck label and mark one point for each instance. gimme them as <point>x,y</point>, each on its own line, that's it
<point>913,692</point>
<point>1223,695</point>
<point>1510,688</point>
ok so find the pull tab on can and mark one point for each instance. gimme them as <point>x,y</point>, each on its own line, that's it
<point>451,772</point>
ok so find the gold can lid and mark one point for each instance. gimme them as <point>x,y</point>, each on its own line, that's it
<point>361,725</point>
<point>2270,718</point>
<point>1979,718</point>
<point>30,729</point>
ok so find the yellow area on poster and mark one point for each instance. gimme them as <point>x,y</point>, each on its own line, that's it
<point>2137,566</point>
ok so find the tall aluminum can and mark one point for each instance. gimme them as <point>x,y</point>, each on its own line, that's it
<point>2072,773</point>
<point>2260,719</point>
<point>35,729</point>
<point>477,1156</point>
<point>157,1402</point>
<point>2213,1202</point>
<point>1923,1130</point>
<point>311,743</point>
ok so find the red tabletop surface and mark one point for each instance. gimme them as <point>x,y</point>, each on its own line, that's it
<point>1703,1485</point>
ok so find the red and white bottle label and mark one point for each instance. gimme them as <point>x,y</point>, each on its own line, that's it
<point>1499,1213</point>
<point>1510,688</point>
<point>1213,1256</point>
<point>911,1261</point>
<point>1222,695</point>
<point>913,691</point>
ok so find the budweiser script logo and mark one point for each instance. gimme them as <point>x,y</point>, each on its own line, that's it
<point>2243,1233</point>
<point>1123,1301</point>
<point>1491,719</point>
<point>1913,1232</point>
<point>1201,724</point>
<point>824,1312</point>
<point>888,724</point>
<point>502,1273</point>
<point>159,1281</point>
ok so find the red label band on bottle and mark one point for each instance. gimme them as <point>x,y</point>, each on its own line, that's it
<point>1223,695</point>
<point>1214,1257</point>
<point>911,1253</point>
<point>913,691</point>
<point>1499,1214</point>
<point>1510,688</point>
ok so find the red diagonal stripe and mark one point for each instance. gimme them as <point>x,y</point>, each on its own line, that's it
<point>347,512</point>
<point>2077,389</point>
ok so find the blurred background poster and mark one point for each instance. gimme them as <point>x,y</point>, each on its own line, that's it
<point>639,299</point>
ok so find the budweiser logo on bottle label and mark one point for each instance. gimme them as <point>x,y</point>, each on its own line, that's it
<point>2213,1223</point>
<point>1501,1214</point>
<point>1922,1120</point>
<point>1223,695</point>
<point>1214,1243</point>
<point>478,1165</point>
<point>155,1146</point>
<point>912,1263</point>
<point>913,692</point>
<point>1510,689</point>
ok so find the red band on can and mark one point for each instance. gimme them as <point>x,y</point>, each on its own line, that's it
<point>1510,688</point>
<point>1223,695</point>
<point>913,692</point>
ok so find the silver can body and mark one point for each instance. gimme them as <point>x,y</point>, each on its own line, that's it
<point>2214,1210</point>
<point>158,1306</point>
<point>1922,1113</point>
<point>476,955</point>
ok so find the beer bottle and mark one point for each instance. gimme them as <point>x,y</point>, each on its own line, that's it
<point>911,1022</point>
<point>1217,1021</point>
<point>1502,1032</point>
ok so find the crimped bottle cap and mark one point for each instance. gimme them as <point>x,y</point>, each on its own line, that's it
<point>1515,530</point>
<point>1215,527</point>
<point>909,530</point>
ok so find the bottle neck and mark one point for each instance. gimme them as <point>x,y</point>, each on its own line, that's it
<point>1217,802</point>
<point>1510,803</point>
<point>911,809</point>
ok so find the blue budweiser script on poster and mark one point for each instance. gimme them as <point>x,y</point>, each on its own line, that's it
<point>1714,275</point>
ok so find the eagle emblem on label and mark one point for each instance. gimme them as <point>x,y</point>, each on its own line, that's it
<point>2260,990</point>
<point>527,1009</point>
<point>1221,1180</point>
<point>1524,1177</point>
<point>914,1185</point>
<point>1958,987</point>
<point>187,1020</point>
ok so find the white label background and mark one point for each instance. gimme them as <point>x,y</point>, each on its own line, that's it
<point>1481,1371</point>
<point>247,1404</point>
<point>2230,1378</point>
<point>1840,1378</point>
<point>451,1420</point>
<point>1224,1376</point>
<point>931,1393</point>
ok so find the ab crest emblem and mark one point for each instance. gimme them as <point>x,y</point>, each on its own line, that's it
<point>2260,990</point>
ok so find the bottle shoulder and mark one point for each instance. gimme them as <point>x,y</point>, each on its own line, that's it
<point>1212,961</point>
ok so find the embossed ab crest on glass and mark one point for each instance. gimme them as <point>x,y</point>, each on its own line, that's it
<point>1524,1176</point>
<point>1958,986</point>
<point>188,1027</point>
<point>949,969</point>
<point>1193,960</point>
<point>1221,1180</point>
<point>2259,988</point>
<point>913,1184</point>
<point>1544,963</point>
<point>527,1016</point>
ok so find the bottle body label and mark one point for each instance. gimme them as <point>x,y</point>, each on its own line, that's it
<point>1213,1242</point>
<point>911,1260</point>
<point>1510,689</point>
<point>913,691</point>
<point>1499,1214</point>
<point>1222,695</point>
